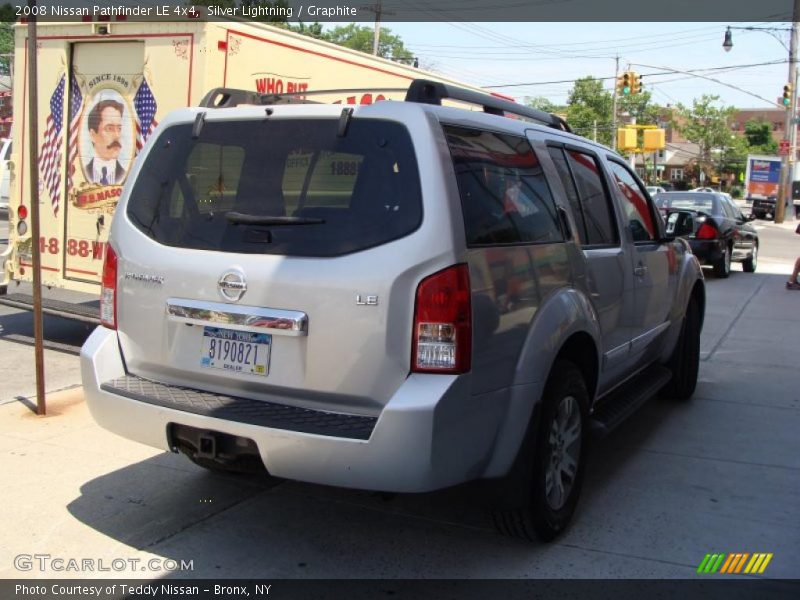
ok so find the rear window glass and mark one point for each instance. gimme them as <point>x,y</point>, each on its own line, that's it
<point>698,202</point>
<point>504,194</point>
<point>288,187</point>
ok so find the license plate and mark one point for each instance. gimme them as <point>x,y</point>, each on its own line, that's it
<point>236,351</point>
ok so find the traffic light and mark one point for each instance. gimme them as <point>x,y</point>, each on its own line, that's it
<point>653,140</point>
<point>626,83</point>
<point>636,83</point>
<point>626,138</point>
<point>787,95</point>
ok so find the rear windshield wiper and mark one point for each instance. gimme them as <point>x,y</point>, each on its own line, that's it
<point>238,218</point>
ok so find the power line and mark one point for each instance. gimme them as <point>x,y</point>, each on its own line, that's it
<point>652,74</point>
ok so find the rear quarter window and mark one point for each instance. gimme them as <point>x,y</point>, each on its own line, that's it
<point>505,198</point>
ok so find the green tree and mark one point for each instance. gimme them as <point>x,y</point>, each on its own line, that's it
<point>589,109</point>
<point>7,18</point>
<point>758,134</point>
<point>640,107</point>
<point>706,123</point>
<point>360,37</point>
<point>540,103</point>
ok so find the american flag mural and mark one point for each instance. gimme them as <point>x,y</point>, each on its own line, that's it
<point>50,155</point>
<point>144,104</point>
<point>75,104</point>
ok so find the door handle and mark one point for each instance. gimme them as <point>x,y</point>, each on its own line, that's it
<point>640,271</point>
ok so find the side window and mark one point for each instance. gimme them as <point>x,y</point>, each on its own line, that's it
<point>730,210</point>
<point>560,161</point>
<point>635,203</point>
<point>504,194</point>
<point>600,229</point>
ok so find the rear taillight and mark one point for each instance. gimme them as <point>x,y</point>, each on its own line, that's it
<point>108,291</point>
<point>707,232</point>
<point>443,323</point>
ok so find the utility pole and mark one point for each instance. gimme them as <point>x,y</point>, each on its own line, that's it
<point>790,129</point>
<point>377,38</point>
<point>614,105</point>
<point>33,135</point>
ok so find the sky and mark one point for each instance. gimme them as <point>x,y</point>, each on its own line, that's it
<point>535,54</point>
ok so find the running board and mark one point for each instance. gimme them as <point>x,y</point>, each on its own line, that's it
<point>87,313</point>
<point>622,403</point>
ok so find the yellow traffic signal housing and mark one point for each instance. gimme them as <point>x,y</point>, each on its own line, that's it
<point>620,85</point>
<point>636,82</point>
<point>626,138</point>
<point>654,139</point>
<point>626,83</point>
<point>787,95</point>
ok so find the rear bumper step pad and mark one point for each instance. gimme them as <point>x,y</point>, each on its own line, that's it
<point>242,410</point>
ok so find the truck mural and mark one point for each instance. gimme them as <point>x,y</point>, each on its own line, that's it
<point>103,87</point>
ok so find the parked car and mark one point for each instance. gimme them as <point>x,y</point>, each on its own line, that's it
<point>655,189</point>
<point>324,292</point>
<point>721,233</point>
<point>5,174</point>
<point>763,208</point>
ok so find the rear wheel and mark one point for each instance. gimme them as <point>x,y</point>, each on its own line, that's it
<point>685,360</point>
<point>722,267</point>
<point>749,265</point>
<point>558,464</point>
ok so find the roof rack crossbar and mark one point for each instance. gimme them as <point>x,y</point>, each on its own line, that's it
<point>433,92</point>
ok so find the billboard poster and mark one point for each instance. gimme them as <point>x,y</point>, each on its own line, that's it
<point>763,176</point>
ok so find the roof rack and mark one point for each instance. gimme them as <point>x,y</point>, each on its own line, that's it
<point>433,92</point>
<point>421,91</point>
<point>230,97</point>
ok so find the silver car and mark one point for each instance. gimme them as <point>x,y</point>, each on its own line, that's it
<point>402,297</point>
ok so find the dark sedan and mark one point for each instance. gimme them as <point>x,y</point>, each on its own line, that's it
<point>721,232</point>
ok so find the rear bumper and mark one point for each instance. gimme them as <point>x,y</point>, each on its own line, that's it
<point>707,251</point>
<point>431,434</point>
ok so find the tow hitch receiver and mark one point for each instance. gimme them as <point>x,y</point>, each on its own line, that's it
<point>214,448</point>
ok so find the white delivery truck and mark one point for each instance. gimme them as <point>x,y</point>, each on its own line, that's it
<point>103,87</point>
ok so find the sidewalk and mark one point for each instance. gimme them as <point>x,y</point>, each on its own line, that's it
<point>719,473</point>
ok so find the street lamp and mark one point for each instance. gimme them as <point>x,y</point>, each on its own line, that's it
<point>790,125</point>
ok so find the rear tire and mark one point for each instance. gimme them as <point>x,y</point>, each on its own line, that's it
<point>556,476</point>
<point>749,265</point>
<point>685,360</point>
<point>722,267</point>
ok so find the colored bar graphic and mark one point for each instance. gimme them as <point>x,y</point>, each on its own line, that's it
<point>735,562</point>
<point>741,563</point>
<point>717,564</point>
<point>765,563</point>
<point>703,563</point>
<point>725,567</point>
<point>752,563</point>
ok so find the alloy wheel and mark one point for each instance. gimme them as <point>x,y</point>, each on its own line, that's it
<point>564,444</point>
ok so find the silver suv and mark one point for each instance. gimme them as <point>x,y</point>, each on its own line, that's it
<point>400,297</point>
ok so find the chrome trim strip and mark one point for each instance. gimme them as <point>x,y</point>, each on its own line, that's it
<point>615,354</point>
<point>643,340</point>
<point>246,318</point>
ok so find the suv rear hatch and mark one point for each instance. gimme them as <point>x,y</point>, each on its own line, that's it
<point>262,260</point>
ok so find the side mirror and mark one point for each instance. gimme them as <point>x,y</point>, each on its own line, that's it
<point>680,223</point>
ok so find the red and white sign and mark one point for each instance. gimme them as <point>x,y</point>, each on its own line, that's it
<point>783,147</point>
